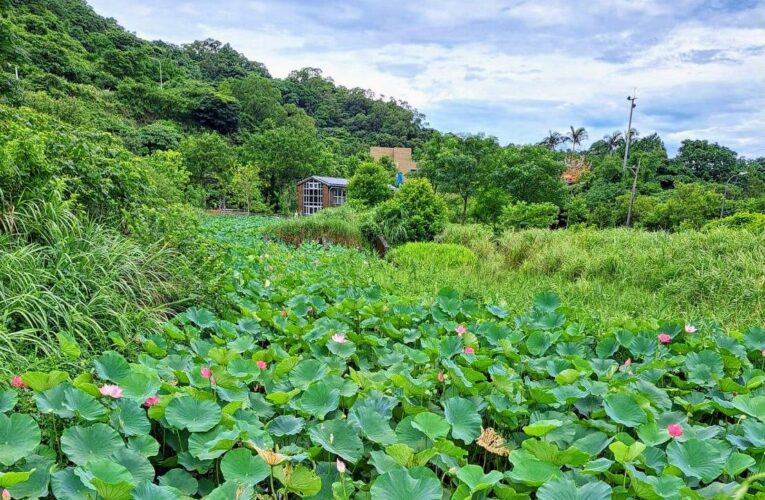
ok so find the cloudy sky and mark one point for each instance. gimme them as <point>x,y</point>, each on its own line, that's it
<point>514,68</point>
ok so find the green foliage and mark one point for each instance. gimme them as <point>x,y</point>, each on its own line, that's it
<point>524,215</point>
<point>370,185</point>
<point>355,373</point>
<point>754,222</point>
<point>415,213</point>
<point>446,254</point>
<point>341,225</point>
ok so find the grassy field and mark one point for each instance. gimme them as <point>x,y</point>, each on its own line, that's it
<point>615,274</point>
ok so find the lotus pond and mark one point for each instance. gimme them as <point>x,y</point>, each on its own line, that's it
<point>307,380</point>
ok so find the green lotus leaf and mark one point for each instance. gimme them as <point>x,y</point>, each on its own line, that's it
<point>375,426</point>
<point>42,381</point>
<point>241,466</point>
<point>738,463</point>
<point>286,425</point>
<point>112,366</point>
<point>8,479</point>
<point>464,418</point>
<point>39,469</point>
<point>751,405</point>
<point>343,350</point>
<point>548,452</point>
<point>299,479</point>
<point>19,436</point>
<point>145,445</point>
<point>82,444</point>
<point>411,484</point>
<point>319,399</point>
<point>53,401</point>
<point>475,479</point>
<point>129,418</point>
<point>563,488</point>
<point>105,476</point>
<point>138,465</point>
<point>66,485</point>
<point>625,454</point>
<point>213,443</point>
<point>541,427</point>
<point>624,410</point>
<point>181,481</point>
<point>306,372</point>
<point>146,490</point>
<point>68,345</point>
<point>8,399</point>
<point>339,438</point>
<point>432,425</point>
<point>696,458</point>
<point>754,338</point>
<point>195,415</point>
<point>82,404</point>
<point>201,317</point>
<point>528,470</point>
<point>139,386</point>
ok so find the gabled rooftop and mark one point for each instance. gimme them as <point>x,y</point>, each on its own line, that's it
<point>328,181</point>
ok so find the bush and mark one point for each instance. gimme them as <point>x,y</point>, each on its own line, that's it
<point>415,213</point>
<point>370,184</point>
<point>524,215</point>
<point>741,220</point>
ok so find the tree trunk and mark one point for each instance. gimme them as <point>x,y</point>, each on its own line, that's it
<point>464,208</point>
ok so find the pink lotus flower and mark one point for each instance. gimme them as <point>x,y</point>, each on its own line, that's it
<point>151,401</point>
<point>18,383</point>
<point>340,466</point>
<point>261,364</point>
<point>206,372</point>
<point>339,338</point>
<point>284,313</point>
<point>113,391</point>
<point>441,377</point>
<point>689,328</point>
<point>460,330</point>
<point>675,430</point>
<point>469,350</point>
<point>5,495</point>
<point>763,353</point>
<point>664,338</point>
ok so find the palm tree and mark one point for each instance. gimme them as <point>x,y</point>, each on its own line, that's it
<point>576,136</point>
<point>613,140</point>
<point>553,140</point>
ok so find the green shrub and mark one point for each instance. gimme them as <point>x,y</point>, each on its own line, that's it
<point>753,222</point>
<point>524,215</point>
<point>415,213</point>
<point>370,184</point>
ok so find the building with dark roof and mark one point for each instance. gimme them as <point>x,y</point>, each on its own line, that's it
<point>317,192</point>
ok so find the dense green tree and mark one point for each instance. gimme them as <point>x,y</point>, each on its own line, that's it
<point>530,173</point>
<point>218,61</point>
<point>371,184</point>
<point>707,161</point>
<point>259,98</point>
<point>209,159</point>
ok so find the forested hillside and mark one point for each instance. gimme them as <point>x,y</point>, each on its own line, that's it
<point>200,97</point>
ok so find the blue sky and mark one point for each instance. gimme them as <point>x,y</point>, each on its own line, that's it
<point>513,69</point>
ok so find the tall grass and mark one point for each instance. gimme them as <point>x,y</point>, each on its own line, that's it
<point>341,226</point>
<point>61,273</point>
<point>617,273</point>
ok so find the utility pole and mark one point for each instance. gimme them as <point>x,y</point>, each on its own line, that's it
<point>636,171</point>
<point>628,135</point>
<point>17,71</point>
